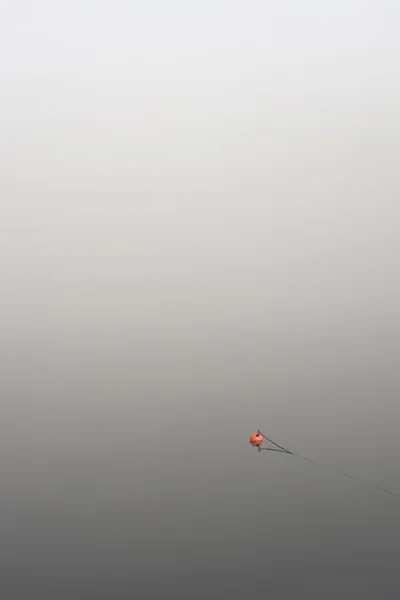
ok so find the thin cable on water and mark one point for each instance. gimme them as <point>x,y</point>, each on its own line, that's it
<point>272,450</point>
<point>286,451</point>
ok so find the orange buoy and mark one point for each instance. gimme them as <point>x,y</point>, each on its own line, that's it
<point>256,439</point>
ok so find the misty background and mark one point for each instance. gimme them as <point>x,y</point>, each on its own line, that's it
<point>199,237</point>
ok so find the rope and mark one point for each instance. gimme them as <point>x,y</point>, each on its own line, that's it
<point>286,451</point>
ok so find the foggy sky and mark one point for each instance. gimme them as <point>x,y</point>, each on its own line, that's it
<point>199,237</point>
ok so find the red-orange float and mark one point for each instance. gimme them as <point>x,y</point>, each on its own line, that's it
<point>256,439</point>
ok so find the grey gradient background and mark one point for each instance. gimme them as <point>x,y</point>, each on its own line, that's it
<point>199,236</point>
